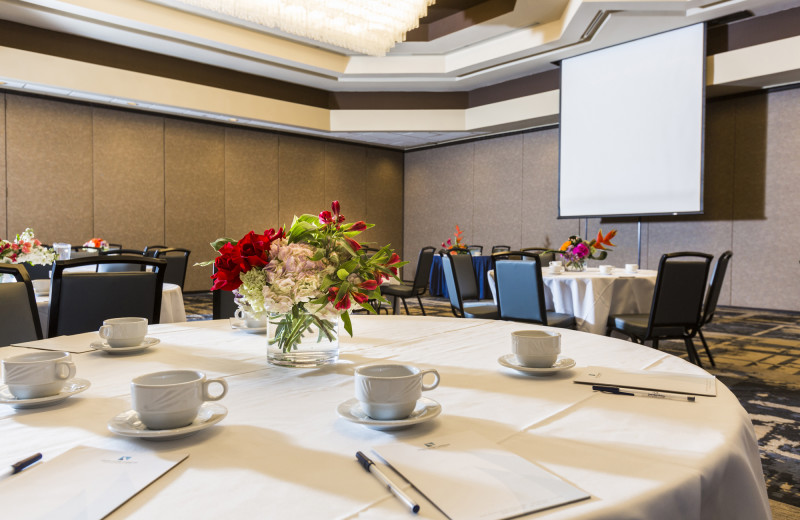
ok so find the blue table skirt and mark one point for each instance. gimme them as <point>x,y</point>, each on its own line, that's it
<point>482,264</point>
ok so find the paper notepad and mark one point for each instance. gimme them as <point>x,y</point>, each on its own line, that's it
<point>469,477</point>
<point>695,384</point>
<point>87,483</point>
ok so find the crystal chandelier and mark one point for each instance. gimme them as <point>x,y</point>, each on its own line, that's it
<point>366,26</point>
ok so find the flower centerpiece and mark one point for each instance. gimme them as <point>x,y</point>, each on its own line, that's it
<point>453,247</point>
<point>96,243</point>
<point>303,281</point>
<point>26,248</point>
<point>576,251</point>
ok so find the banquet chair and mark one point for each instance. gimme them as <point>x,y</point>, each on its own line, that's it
<point>177,262</point>
<point>419,284</point>
<point>519,288</point>
<point>712,296</point>
<point>80,301</point>
<point>151,250</point>
<point>676,308</point>
<point>500,249</point>
<point>462,289</point>
<point>19,317</point>
<point>117,268</point>
<point>545,255</point>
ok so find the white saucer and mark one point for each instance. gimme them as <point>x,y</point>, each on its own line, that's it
<point>240,325</point>
<point>425,410</point>
<point>105,347</point>
<point>128,424</point>
<point>510,361</point>
<point>71,387</point>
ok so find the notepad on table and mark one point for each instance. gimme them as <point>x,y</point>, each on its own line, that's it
<point>469,477</point>
<point>695,384</point>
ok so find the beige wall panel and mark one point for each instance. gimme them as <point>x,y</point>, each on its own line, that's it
<point>251,182</point>
<point>626,250</point>
<point>128,155</point>
<point>439,195</point>
<point>384,199</point>
<point>301,164</point>
<point>539,212</point>
<point>498,193</point>
<point>3,229</point>
<point>49,157</point>
<point>767,158</point>
<point>194,205</point>
<point>345,179</point>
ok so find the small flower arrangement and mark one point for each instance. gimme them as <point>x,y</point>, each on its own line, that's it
<point>575,251</point>
<point>26,248</point>
<point>310,275</point>
<point>96,243</point>
<point>449,245</point>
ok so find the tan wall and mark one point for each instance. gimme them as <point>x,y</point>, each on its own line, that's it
<point>504,191</point>
<point>75,172</point>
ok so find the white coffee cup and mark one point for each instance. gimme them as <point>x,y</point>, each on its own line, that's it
<point>556,269</point>
<point>390,392</point>
<point>631,268</point>
<point>251,321</point>
<point>38,374</point>
<point>171,399</point>
<point>606,269</point>
<point>124,332</point>
<point>555,263</point>
<point>536,348</point>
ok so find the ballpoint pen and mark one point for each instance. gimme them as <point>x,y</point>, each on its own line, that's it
<point>377,473</point>
<point>19,466</point>
<point>655,394</point>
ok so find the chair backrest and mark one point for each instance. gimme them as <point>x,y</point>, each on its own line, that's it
<point>450,281</point>
<point>38,272</point>
<point>151,250</point>
<point>119,268</point>
<point>177,262</point>
<point>500,249</point>
<point>423,274</point>
<point>679,291</point>
<point>83,252</point>
<point>520,287</point>
<point>715,286</point>
<point>545,255</point>
<point>19,317</point>
<point>80,301</point>
<point>475,249</point>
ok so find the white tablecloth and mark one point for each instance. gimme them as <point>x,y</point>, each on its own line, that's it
<point>172,309</point>
<point>282,451</point>
<point>591,296</point>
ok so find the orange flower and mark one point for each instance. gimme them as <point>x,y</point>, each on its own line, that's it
<point>601,241</point>
<point>565,245</point>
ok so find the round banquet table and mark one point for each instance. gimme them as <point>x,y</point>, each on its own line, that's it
<point>283,452</point>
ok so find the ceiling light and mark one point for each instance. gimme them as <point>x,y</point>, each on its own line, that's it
<point>366,26</point>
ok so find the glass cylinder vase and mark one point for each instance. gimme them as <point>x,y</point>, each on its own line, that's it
<point>301,339</point>
<point>575,265</point>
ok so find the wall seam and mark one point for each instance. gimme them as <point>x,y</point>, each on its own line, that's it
<point>94,188</point>
<point>5,157</point>
<point>164,179</point>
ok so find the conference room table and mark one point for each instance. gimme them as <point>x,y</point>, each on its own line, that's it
<point>438,287</point>
<point>282,451</point>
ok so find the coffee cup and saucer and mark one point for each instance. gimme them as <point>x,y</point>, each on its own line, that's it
<point>247,320</point>
<point>124,336</point>
<point>556,267</point>
<point>389,397</point>
<point>39,379</point>
<point>169,405</point>
<point>535,352</point>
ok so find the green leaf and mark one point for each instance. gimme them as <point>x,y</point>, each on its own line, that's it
<point>342,274</point>
<point>218,243</point>
<point>347,325</point>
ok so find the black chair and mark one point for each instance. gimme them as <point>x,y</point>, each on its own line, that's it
<point>462,288</point>
<point>545,255</point>
<point>151,250</point>
<point>19,317</point>
<point>38,272</point>
<point>418,286</point>
<point>118,268</point>
<point>712,296</point>
<point>677,304</point>
<point>520,290</point>
<point>473,249</point>
<point>500,249</point>
<point>114,246</point>
<point>177,262</point>
<point>80,301</point>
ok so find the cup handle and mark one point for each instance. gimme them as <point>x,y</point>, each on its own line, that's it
<point>207,396</point>
<point>65,370</point>
<point>435,380</point>
<point>239,314</point>
<point>105,332</point>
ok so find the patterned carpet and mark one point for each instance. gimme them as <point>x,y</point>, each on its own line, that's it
<point>757,353</point>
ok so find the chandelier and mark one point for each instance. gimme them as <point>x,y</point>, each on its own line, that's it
<point>367,26</point>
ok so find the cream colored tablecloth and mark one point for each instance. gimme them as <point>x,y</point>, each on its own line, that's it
<point>283,452</point>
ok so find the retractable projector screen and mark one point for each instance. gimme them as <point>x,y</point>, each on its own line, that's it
<point>631,128</point>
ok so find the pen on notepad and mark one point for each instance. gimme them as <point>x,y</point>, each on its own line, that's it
<point>378,474</point>
<point>19,466</point>
<point>644,393</point>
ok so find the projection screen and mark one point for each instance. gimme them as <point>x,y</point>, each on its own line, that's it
<point>631,129</point>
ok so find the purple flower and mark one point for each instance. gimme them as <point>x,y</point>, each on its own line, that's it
<point>581,250</point>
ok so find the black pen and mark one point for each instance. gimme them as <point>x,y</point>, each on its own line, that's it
<point>655,394</point>
<point>19,466</point>
<point>377,473</point>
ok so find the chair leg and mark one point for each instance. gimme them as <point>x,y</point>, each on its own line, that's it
<point>406,306</point>
<point>694,357</point>
<point>655,344</point>
<point>420,305</point>
<point>705,346</point>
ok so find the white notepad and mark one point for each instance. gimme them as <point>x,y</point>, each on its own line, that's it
<point>469,477</point>
<point>86,483</point>
<point>695,384</point>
